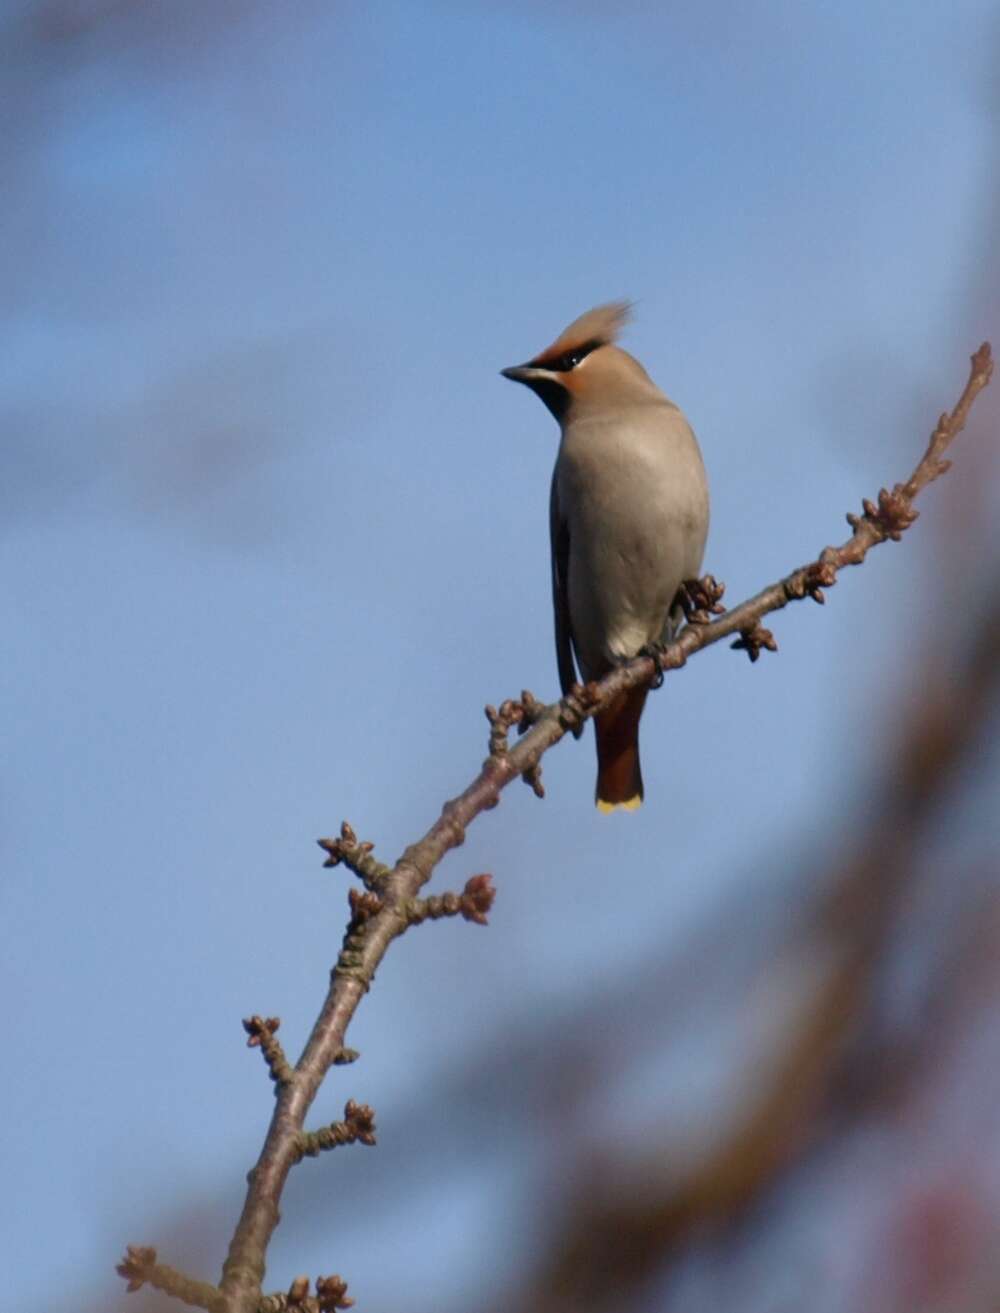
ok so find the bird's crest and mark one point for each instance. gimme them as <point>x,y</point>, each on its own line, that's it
<point>596,328</point>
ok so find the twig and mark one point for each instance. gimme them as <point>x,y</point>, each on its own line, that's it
<point>140,1268</point>
<point>261,1032</point>
<point>331,1293</point>
<point>472,904</point>
<point>358,1126</point>
<point>370,934</point>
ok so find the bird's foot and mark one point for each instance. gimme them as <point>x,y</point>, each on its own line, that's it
<point>655,650</point>
<point>700,599</point>
<point>579,702</point>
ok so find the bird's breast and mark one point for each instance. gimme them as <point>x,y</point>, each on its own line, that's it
<point>633,493</point>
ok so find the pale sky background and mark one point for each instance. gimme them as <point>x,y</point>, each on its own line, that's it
<point>274,530</point>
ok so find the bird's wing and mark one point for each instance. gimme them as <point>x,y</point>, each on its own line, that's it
<point>559,531</point>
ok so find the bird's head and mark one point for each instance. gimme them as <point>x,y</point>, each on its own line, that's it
<point>583,369</point>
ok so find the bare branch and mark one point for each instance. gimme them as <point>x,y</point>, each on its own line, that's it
<point>523,714</point>
<point>140,1268</point>
<point>357,857</point>
<point>261,1032</point>
<point>358,1126</point>
<point>472,904</point>
<point>376,922</point>
<point>331,1293</point>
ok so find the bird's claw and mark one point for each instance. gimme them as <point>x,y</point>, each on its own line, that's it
<point>655,652</point>
<point>700,599</point>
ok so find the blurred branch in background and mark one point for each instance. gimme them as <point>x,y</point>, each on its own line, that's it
<point>627,1218</point>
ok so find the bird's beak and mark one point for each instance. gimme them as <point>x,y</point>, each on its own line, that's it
<point>550,388</point>
<point>523,373</point>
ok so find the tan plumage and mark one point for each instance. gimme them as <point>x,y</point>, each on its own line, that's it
<point>601,325</point>
<point>628,519</point>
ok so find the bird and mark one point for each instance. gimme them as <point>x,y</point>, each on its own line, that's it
<point>628,518</point>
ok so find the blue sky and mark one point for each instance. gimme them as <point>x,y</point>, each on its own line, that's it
<point>274,530</point>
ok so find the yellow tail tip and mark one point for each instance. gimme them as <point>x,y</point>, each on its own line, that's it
<point>629,805</point>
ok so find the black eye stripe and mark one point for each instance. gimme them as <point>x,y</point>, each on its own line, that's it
<point>570,359</point>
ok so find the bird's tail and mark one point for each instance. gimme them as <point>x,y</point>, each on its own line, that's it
<point>619,779</point>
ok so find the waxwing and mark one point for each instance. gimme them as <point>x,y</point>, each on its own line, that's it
<point>628,520</point>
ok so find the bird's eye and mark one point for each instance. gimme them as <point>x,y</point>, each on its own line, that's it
<point>570,359</point>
